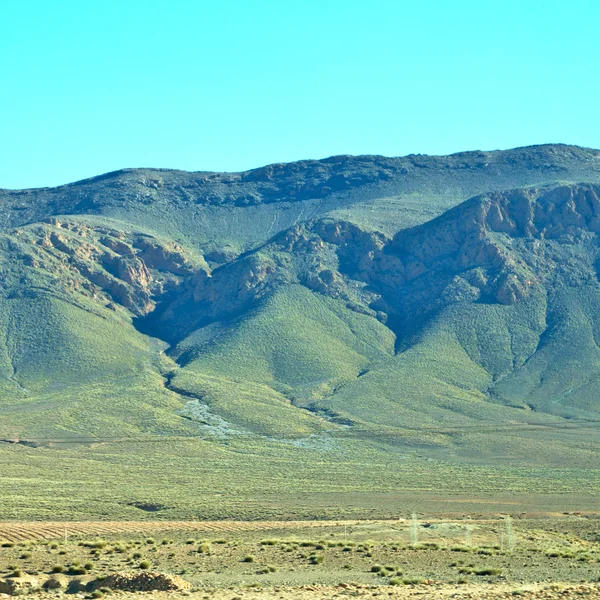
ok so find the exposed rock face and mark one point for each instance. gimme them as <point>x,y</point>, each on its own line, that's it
<point>133,270</point>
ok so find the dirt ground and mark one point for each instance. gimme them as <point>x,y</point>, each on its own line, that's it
<point>496,557</point>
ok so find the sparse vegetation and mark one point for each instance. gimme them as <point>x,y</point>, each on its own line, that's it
<point>397,564</point>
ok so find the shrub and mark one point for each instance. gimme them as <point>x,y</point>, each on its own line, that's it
<point>204,548</point>
<point>316,559</point>
<point>248,559</point>
<point>78,571</point>
<point>17,573</point>
<point>58,569</point>
<point>97,594</point>
<point>89,566</point>
<point>488,571</point>
<point>150,541</point>
<point>94,544</point>
<point>145,564</point>
<point>267,569</point>
<point>396,581</point>
<point>376,568</point>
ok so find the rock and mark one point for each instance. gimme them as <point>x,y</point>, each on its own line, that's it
<point>15,586</point>
<point>57,582</point>
<point>144,582</point>
<point>78,585</point>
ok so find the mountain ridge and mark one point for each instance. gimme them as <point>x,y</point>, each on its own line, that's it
<point>211,210</point>
<point>574,149</point>
<point>133,313</point>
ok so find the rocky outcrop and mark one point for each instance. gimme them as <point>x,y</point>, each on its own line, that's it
<point>493,249</point>
<point>145,582</point>
<point>133,270</point>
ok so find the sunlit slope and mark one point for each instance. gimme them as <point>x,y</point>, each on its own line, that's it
<point>295,346</point>
<point>71,361</point>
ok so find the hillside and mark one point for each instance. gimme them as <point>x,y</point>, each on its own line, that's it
<point>350,311</point>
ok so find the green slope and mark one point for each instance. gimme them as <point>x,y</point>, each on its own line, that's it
<point>241,318</point>
<point>294,347</point>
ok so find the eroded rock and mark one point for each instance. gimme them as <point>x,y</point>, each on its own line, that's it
<point>145,582</point>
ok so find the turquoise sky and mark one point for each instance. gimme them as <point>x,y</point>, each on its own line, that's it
<point>92,86</point>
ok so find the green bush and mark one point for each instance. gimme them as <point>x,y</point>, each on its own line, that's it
<point>488,571</point>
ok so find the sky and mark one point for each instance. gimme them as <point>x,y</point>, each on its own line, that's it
<point>88,87</point>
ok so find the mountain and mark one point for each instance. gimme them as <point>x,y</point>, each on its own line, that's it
<point>445,305</point>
